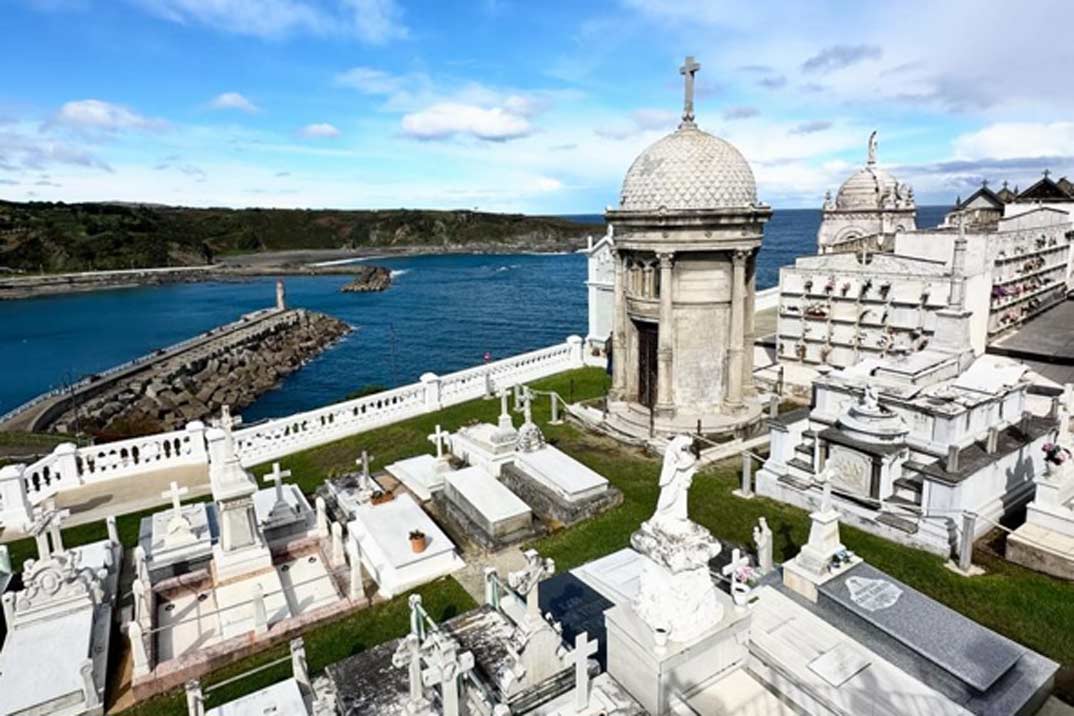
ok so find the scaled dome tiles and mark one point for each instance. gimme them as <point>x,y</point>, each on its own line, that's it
<point>686,170</point>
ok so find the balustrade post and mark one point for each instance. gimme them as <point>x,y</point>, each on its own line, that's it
<point>577,354</point>
<point>199,449</point>
<point>65,463</point>
<point>15,507</point>
<point>432,384</point>
<point>965,547</point>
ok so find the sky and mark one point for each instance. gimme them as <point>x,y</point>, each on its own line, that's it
<point>506,105</point>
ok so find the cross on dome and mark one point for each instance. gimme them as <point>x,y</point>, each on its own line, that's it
<point>688,70</point>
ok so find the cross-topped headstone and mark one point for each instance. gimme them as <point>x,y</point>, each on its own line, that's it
<point>525,581</point>
<point>446,667</point>
<point>583,649</point>
<point>437,438</point>
<point>178,524</point>
<point>227,421</point>
<point>688,70</point>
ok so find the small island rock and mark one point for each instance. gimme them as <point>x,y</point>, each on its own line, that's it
<point>369,278</point>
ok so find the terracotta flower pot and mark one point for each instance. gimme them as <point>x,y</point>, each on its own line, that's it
<point>418,544</point>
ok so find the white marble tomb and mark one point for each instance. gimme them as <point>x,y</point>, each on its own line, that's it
<point>382,533</point>
<point>485,501</point>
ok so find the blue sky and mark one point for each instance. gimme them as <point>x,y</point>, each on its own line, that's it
<point>516,106</point>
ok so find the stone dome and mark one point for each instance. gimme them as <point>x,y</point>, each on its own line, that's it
<point>868,188</point>
<point>688,169</point>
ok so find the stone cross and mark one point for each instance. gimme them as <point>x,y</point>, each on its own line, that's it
<point>276,477</point>
<point>437,438</point>
<point>762,537</point>
<point>1047,173</point>
<point>178,523</point>
<point>738,562</point>
<point>688,70</point>
<point>583,649</point>
<point>408,654</point>
<point>525,581</point>
<point>47,525</point>
<point>227,421</point>
<point>446,667</point>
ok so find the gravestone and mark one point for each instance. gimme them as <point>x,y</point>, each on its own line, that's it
<point>484,508</point>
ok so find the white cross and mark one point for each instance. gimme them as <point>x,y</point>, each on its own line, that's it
<point>446,666</point>
<point>175,494</point>
<point>408,654</point>
<point>276,476</point>
<point>738,562</point>
<point>438,438</point>
<point>583,649</point>
<point>47,521</point>
<point>227,421</point>
<point>689,68</point>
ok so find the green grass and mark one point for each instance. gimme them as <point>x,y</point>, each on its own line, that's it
<point>1027,607</point>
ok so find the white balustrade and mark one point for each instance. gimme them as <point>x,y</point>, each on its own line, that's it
<point>67,466</point>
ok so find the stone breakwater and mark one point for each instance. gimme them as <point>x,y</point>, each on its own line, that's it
<point>233,368</point>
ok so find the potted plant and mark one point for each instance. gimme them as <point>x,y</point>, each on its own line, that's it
<point>1054,453</point>
<point>418,541</point>
<point>379,497</point>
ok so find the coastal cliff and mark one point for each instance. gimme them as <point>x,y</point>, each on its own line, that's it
<point>44,237</point>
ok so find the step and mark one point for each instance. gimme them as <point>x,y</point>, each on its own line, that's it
<point>903,525</point>
<point>801,465</point>
<point>914,484</point>
<point>904,502</point>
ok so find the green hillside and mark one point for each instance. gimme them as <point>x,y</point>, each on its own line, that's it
<point>50,237</point>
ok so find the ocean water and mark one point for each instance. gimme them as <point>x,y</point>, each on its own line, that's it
<point>443,313</point>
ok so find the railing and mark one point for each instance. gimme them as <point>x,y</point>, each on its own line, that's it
<point>69,466</point>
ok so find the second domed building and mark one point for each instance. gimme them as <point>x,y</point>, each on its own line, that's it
<point>868,210</point>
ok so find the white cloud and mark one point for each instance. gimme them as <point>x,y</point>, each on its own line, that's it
<point>449,119</point>
<point>320,130</point>
<point>95,114</point>
<point>233,100</point>
<point>371,21</point>
<point>1010,140</point>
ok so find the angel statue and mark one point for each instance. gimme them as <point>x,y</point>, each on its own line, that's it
<point>680,464</point>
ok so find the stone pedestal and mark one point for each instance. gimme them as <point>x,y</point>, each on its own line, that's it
<point>654,671</point>
<point>812,566</point>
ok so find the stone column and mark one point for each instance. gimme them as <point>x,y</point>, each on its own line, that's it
<point>665,401</point>
<point>750,309</point>
<point>619,347</point>
<point>733,397</point>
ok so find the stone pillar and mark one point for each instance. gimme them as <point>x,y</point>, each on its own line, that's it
<point>965,546</point>
<point>89,684</point>
<point>733,397</point>
<point>577,344</point>
<point>337,544</point>
<point>195,699</point>
<point>357,587</point>
<point>65,465</point>
<point>492,587</point>
<point>199,450</point>
<point>259,610</point>
<point>113,530</point>
<point>665,401</point>
<point>8,602</point>
<point>299,666</point>
<point>322,517</point>
<point>619,343</point>
<point>746,490</point>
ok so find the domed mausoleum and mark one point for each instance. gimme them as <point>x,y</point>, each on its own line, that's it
<point>686,234</point>
<point>868,210</point>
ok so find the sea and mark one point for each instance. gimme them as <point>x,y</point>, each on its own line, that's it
<point>442,313</point>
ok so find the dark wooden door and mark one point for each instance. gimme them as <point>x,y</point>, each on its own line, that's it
<point>648,338</point>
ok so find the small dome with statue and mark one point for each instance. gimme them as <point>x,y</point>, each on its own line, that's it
<point>872,188</point>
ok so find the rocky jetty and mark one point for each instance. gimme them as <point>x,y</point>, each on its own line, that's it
<point>234,370</point>
<point>368,279</point>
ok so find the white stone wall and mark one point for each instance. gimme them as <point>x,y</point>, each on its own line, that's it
<point>600,285</point>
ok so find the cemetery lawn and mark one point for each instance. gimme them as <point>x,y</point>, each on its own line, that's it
<point>1030,608</point>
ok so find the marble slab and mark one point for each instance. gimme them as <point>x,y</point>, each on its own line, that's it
<point>162,554</point>
<point>382,532</point>
<point>298,508</point>
<point>485,500</point>
<point>562,474</point>
<point>479,446</point>
<point>616,577</point>
<point>423,475</point>
<point>839,664</point>
<point>964,648</point>
<point>283,698</point>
